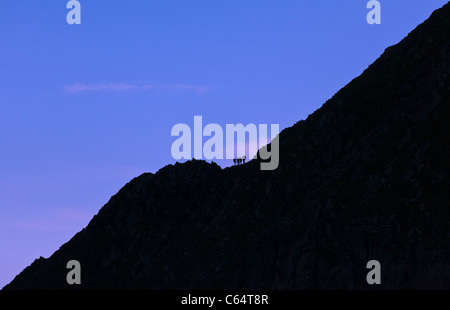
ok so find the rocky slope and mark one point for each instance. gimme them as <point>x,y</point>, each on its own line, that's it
<point>367,176</point>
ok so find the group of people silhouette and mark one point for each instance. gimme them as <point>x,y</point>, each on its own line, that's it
<point>239,160</point>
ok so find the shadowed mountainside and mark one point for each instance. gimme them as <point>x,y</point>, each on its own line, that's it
<point>367,176</point>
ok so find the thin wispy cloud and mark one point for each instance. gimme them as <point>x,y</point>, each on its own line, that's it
<point>77,88</point>
<point>82,87</point>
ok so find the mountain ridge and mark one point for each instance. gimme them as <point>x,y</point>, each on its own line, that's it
<point>364,177</point>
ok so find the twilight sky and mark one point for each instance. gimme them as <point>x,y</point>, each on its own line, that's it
<point>85,108</point>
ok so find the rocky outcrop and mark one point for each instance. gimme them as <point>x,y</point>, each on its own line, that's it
<point>366,176</point>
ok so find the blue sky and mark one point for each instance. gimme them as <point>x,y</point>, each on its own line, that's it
<point>85,108</point>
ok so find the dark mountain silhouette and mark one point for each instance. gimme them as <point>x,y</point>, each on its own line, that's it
<point>367,176</point>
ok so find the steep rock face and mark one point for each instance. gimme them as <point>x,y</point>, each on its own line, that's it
<point>367,176</point>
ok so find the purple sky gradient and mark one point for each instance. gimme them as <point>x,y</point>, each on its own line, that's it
<point>85,108</point>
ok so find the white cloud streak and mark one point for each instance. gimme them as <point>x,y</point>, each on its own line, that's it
<point>77,88</point>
